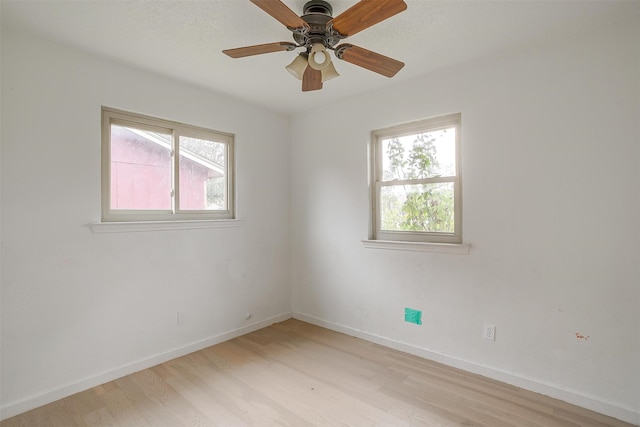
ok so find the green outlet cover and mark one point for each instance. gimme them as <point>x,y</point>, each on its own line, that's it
<point>413,316</point>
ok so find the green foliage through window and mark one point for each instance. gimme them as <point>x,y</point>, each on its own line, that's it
<point>417,207</point>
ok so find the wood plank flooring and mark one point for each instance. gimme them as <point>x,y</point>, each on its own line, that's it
<point>296,374</point>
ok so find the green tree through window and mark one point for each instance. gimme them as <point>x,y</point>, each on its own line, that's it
<point>430,208</point>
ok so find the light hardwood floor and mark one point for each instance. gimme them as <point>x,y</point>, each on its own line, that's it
<point>296,374</point>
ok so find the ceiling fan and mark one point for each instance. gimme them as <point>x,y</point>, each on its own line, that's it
<point>317,32</point>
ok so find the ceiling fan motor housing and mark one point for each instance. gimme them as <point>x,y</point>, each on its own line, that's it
<point>317,6</point>
<point>317,13</point>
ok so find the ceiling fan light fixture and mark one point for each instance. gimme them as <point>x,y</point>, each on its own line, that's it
<point>317,53</point>
<point>329,73</point>
<point>297,67</point>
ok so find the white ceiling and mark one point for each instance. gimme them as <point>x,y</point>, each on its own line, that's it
<point>184,39</point>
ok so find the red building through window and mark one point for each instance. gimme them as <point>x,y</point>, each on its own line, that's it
<point>141,173</point>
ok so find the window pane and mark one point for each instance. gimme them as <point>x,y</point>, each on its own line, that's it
<point>419,207</point>
<point>422,155</point>
<point>203,184</point>
<point>140,169</point>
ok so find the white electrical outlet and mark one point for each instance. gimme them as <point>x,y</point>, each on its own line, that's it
<point>489,332</point>
<point>180,318</point>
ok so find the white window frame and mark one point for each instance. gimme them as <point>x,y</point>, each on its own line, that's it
<point>376,182</point>
<point>112,116</point>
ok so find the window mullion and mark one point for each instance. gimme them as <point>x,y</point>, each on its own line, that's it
<point>175,175</point>
<point>435,179</point>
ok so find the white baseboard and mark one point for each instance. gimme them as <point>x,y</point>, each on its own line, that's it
<point>569,396</point>
<point>19,406</point>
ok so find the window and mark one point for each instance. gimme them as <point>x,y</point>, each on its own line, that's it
<point>154,169</point>
<point>415,182</point>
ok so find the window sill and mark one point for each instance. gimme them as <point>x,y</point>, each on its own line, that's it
<point>136,226</point>
<point>443,248</point>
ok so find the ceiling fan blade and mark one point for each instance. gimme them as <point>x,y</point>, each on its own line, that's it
<point>282,13</point>
<point>311,80</point>
<point>259,49</point>
<point>370,60</point>
<point>364,14</point>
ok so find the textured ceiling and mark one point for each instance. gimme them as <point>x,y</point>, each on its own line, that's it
<point>184,39</point>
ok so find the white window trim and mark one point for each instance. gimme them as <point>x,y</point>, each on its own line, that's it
<point>442,248</point>
<point>111,115</point>
<point>138,226</point>
<point>375,157</point>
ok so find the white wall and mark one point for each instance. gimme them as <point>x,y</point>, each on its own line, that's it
<point>551,195</point>
<point>80,308</point>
